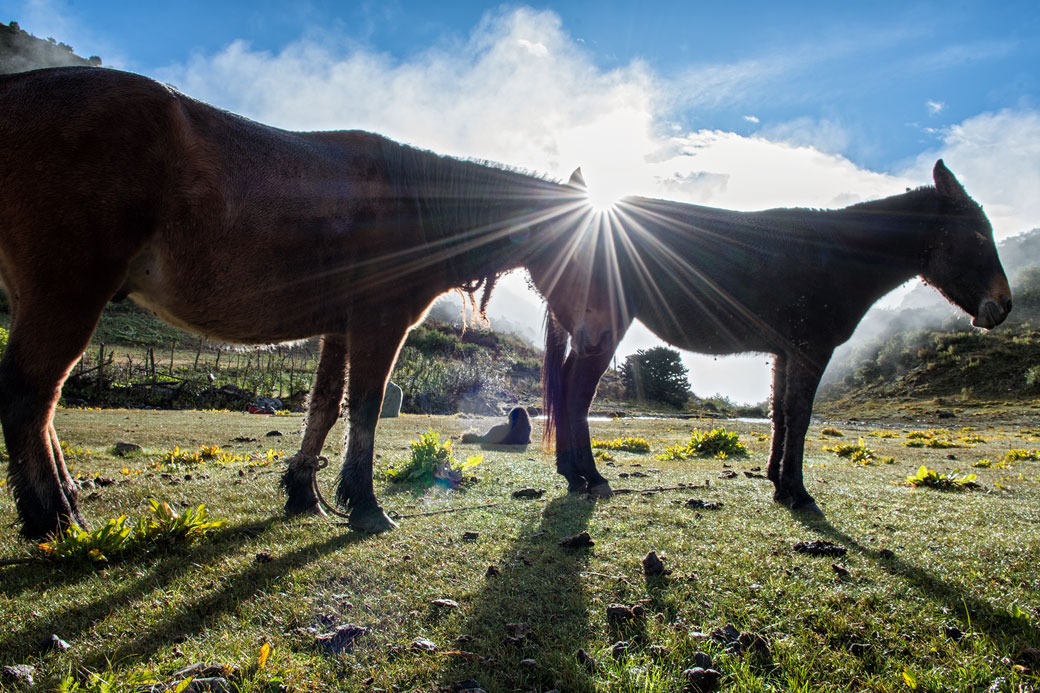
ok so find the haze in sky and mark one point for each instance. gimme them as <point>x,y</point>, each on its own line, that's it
<point>741,105</point>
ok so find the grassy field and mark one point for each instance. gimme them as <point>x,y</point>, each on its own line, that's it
<point>938,590</point>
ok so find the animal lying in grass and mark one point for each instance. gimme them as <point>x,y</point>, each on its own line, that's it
<point>516,432</point>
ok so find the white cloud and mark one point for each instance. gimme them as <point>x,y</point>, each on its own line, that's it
<point>934,107</point>
<point>752,119</point>
<point>522,91</point>
<point>996,156</point>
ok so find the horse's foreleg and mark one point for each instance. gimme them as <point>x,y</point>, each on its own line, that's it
<point>803,377</point>
<point>45,342</point>
<point>323,409</point>
<point>371,357</point>
<point>567,446</point>
<point>580,383</point>
<point>776,452</point>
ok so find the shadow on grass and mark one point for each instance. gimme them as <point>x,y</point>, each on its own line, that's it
<point>535,609</point>
<point>1011,634</point>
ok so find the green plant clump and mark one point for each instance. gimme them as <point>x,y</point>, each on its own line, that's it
<point>622,444</point>
<point>118,535</point>
<point>859,453</point>
<point>933,479</point>
<point>717,442</point>
<point>431,462</point>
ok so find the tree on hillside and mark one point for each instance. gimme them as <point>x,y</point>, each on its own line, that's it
<point>656,376</point>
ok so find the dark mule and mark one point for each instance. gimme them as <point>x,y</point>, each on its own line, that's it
<point>791,282</point>
<point>113,185</point>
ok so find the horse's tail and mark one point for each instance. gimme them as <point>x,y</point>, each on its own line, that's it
<point>552,377</point>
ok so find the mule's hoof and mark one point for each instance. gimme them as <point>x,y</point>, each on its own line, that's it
<point>577,486</point>
<point>808,508</point>
<point>298,511</point>
<point>371,520</point>
<point>601,490</point>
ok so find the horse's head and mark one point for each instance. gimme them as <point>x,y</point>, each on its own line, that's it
<point>962,262</point>
<point>577,276</point>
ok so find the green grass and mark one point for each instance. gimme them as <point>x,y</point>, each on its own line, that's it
<point>965,561</point>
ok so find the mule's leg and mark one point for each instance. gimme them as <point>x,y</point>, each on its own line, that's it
<point>371,358</point>
<point>803,377</point>
<point>580,383</point>
<point>567,443</point>
<point>323,409</point>
<point>776,453</point>
<point>47,336</point>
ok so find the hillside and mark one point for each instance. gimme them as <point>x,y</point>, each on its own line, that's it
<point>21,51</point>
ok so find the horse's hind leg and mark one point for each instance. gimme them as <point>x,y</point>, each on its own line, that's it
<point>776,453</point>
<point>323,409</point>
<point>371,357</point>
<point>47,336</point>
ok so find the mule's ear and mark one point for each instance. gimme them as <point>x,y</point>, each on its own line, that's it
<point>577,180</point>
<point>945,183</point>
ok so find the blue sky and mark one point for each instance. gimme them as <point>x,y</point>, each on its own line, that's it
<point>742,105</point>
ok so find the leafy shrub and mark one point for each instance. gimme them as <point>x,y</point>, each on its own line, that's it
<point>623,444</point>
<point>832,432</point>
<point>933,479</point>
<point>1020,455</point>
<point>118,535</point>
<point>431,462</point>
<point>717,442</point>
<point>3,339</point>
<point>929,439</point>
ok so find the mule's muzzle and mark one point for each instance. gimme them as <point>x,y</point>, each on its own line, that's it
<point>992,312</point>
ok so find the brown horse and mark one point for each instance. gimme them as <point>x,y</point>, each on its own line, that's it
<point>113,185</point>
<point>790,282</point>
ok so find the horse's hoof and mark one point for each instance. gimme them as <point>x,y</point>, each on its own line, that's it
<point>371,520</point>
<point>601,490</point>
<point>784,499</point>
<point>808,508</point>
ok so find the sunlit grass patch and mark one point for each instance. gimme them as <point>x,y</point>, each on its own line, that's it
<point>932,438</point>
<point>630,444</point>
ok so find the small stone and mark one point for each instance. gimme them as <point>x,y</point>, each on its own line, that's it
<point>342,639</point>
<point>619,613</point>
<point>53,642</point>
<point>22,673</point>
<point>586,660</point>
<point>528,662</point>
<point>492,571</point>
<point>124,449</point>
<point>659,651</point>
<point>529,493</point>
<point>754,475</point>
<point>701,680</point>
<point>445,603</point>
<point>263,557</point>
<point>702,660</point>
<point>698,504</point>
<point>820,548</point>
<point>653,566</point>
<point>728,474</point>
<point>423,645</point>
<point>578,541</point>
<point>887,554</point>
<point>273,434</point>
<point>470,536</point>
<point>727,634</point>
<point>840,570</point>
<point>619,649</point>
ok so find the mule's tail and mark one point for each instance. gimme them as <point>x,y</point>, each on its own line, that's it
<point>552,378</point>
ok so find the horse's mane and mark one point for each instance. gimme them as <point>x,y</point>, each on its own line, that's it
<point>552,377</point>
<point>461,198</point>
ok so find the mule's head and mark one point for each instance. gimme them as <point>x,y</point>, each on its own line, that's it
<point>577,276</point>
<point>962,261</point>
